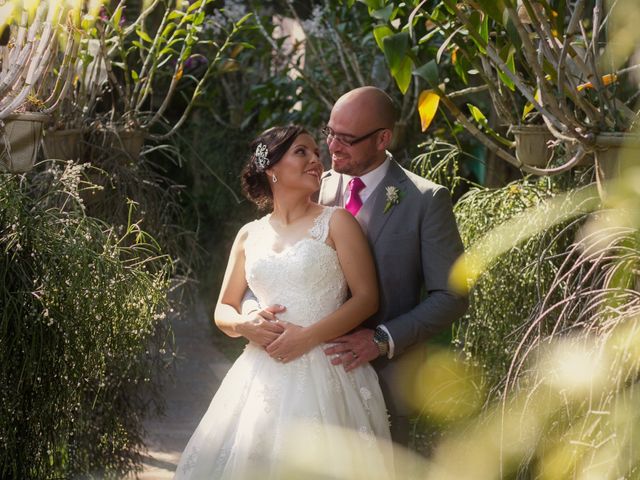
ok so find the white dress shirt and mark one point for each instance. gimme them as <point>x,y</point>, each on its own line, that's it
<point>371,180</point>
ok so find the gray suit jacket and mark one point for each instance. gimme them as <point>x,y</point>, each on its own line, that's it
<point>414,246</point>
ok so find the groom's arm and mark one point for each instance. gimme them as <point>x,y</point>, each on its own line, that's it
<point>440,246</point>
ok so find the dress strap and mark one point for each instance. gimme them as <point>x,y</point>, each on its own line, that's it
<point>320,228</point>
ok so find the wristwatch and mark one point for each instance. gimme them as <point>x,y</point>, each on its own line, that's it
<point>381,339</point>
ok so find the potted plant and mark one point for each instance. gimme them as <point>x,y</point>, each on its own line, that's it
<point>146,56</point>
<point>529,56</point>
<point>34,78</point>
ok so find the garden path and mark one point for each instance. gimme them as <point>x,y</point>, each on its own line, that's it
<point>198,374</point>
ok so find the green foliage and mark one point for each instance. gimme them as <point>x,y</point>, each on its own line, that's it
<point>81,337</point>
<point>508,293</point>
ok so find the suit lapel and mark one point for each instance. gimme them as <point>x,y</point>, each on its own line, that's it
<point>376,218</point>
<point>330,189</point>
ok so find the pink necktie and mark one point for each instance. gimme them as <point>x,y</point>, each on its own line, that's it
<point>354,203</point>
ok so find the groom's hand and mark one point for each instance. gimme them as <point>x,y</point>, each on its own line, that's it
<point>354,349</point>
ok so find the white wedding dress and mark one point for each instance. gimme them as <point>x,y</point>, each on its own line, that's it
<point>303,419</point>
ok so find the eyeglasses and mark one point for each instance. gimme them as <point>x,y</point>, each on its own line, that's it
<point>345,139</point>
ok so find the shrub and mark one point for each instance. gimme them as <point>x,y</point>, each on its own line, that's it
<point>508,293</point>
<point>80,332</point>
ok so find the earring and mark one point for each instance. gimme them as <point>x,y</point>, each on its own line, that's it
<point>274,178</point>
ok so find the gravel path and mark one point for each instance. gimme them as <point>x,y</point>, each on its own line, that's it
<point>200,369</point>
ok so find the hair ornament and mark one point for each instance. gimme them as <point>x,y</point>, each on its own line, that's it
<point>262,157</point>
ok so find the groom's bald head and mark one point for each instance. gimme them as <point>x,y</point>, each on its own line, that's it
<point>371,105</point>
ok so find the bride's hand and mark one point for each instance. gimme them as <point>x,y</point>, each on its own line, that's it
<point>259,330</point>
<point>291,344</point>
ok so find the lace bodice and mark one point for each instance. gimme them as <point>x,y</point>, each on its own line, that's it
<point>305,277</point>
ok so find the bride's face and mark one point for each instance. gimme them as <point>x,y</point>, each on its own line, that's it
<point>300,167</point>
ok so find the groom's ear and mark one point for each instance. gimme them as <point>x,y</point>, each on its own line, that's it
<point>384,139</point>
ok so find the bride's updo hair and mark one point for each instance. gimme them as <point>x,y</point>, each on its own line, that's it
<point>266,150</point>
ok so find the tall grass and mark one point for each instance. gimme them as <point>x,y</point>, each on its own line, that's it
<point>80,332</point>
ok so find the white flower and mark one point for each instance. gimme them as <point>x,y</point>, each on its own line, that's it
<point>393,197</point>
<point>392,194</point>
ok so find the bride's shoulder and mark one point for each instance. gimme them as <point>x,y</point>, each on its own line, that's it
<point>250,227</point>
<point>342,222</point>
<point>338,215</point>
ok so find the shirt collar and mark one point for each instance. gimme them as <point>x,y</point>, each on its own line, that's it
<point>371,179</point>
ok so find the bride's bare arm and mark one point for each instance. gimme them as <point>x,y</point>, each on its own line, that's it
<point>357,265</point>
<point>227,317</point>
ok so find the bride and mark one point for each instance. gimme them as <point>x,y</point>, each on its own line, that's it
<point>283,409</point>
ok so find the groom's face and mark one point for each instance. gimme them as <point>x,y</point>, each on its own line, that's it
<point>348,123</point>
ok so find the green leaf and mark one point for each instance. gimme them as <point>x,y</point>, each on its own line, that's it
<point>195,5</point>
<point>180,32</point>
<point>508,51</point>
<point>168,29</point>
<point>461,67</point>
<point>383,14</point>
<point>477,114</point>
<point>429,72</point>
<point>484,29</point>
<point>167,50</point>
<point>494,8</point>
<point>117,15</point>
<point>451,6</point>
<point>380,32</point>
<point>243,19</point>
<point>403,74</point>
<point>175,14</point>
<point>134,75</point>
<point>374,4</point>
<point>199,20</point>
<point>144,36</point>
<point>513,35</point>
<point>396,49</point>
<point>476,21</point>
<point>479,117</point>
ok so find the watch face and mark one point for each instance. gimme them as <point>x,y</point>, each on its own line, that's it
<point>380,335</point>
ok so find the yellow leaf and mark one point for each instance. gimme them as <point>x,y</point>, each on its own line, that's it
<point>529,106</point>
<point>427,107</point>
<point>179,73</point>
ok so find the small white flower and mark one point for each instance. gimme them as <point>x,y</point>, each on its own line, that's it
<point>393,197</point>
<point>392,194</point>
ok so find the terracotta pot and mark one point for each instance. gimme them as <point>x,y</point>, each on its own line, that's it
<point>63,144</point>
<point>20,141</point>
<point>611,150</point>
<point>128,143</point>
<point>531,144</point>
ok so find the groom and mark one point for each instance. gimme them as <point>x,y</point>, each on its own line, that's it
<point>414,238</point>
<point>412,232</point>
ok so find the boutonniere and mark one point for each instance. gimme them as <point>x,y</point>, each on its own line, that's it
<point>393,197</point>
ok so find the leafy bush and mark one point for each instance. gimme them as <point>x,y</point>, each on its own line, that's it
<point>80,332</point>
<point>508,293</point>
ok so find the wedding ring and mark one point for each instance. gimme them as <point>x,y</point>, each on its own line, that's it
<point>355,355</point>
<point>280,358</point>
